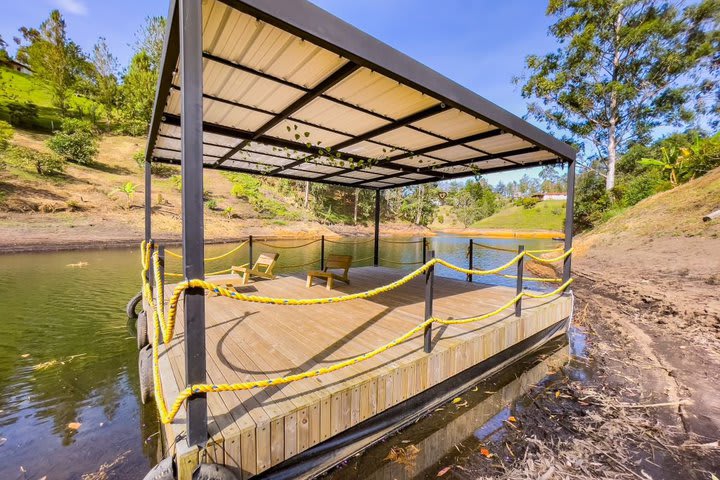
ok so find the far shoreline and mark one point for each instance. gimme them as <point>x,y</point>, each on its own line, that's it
<point>67,239</point>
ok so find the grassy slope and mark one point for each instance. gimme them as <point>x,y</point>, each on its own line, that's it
<point>18,87</point>
<point>92,190</point>
<point>548,215</point>
<point>674,213</point>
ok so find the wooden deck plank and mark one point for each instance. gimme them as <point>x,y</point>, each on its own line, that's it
<point>255,429</point>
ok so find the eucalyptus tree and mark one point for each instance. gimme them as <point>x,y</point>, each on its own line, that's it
<point>623,68</point>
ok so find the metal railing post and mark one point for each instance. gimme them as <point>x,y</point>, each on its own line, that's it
<point>429,280</point>
<point>470,260</point>
<point>569,214</point>
<point>161,257</point>
<point>424,250</point>
<point>250,252</point>
<point>322,252</point>
<point>519,282</point>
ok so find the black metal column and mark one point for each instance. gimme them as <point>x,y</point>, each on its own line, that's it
<point>192,211</point>
<point>322,252</point>
<point>569,220</point>
<point>519,282</point>
<point>376,252</point>
<point>429,281</point>
<point>470,260</point>
<point>148,202</point>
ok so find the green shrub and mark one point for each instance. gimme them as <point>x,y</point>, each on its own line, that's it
<point>212,204</point>
<point>702,156</point>
<point>47,164</point>
<point>75,142</point>
<point>22,114</point>
<point>527,202</point>
<point>640,187</point>
<point>177,182</point>
<point>6,134</point>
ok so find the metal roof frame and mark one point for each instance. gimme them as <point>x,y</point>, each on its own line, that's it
<point>308,22</point>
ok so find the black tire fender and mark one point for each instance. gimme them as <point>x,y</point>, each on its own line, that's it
<point>145,371</point>
<point>131,308</point>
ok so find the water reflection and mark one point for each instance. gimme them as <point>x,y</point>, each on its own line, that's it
<point>423,449</point>
<point>67,358</point>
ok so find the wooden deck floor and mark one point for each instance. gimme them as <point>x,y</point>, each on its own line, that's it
<point>254,430</point>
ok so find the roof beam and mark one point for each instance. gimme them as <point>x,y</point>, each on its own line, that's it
<point>170,56</point>
<point>333,79</point>
<point>230,168</point>
<point>417,116</point>
<point>445,176</point>
<point>282,81</point>
<point>452,143</point>
<point>243,135</point>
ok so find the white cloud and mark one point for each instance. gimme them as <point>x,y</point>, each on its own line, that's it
<point>76,7</point>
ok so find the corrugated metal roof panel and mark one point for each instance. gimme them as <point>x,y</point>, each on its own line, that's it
<point>380,94</point>
<point>453,124</point>
<point>457,152</point>
<point>501,143</point>
<point>407,139</point>
<point>541,155</point>
<point>322,111</point>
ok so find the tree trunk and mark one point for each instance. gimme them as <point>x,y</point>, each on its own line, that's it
<point>612,157</point>
<point>613,110</point>
<point>357,200</point>
<point>421,195</point>
<point>307,195</point>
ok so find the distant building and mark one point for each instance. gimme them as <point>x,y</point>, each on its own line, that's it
<point>17,66</point>
<point>550,196</point>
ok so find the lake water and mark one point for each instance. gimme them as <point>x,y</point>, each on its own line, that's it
<point>68,360</point>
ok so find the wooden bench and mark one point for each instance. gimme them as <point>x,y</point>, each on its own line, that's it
<point>333,262</point>
<point>263,268</point>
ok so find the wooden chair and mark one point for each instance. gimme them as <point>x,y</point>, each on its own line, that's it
<point>263,268</point>
<point>333,262</point>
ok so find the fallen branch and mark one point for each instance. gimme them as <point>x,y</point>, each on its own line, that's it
<point>653,405</point>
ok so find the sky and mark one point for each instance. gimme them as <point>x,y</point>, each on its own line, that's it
<point>479,44</point>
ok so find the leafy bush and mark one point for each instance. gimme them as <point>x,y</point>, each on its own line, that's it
<point>177,182</point>
<point>591,200</point>
<point>640,187</point>
<point>6,134</point>
<point>22,114</point>
<point>212,204</point>
<point>75,142</point>
<point>47,164</point>
<point>162,170</point>
<point>702,156</point>
<point>527,202</point>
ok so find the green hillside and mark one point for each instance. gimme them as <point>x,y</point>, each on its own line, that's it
<point>19,88</point>
<point>548,215</point>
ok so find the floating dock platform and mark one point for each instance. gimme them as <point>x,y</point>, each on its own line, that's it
<point>262,430</point>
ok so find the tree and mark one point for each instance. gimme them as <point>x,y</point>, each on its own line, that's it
<point>4,56</point>
<point>105,88</point>
<point>552,178</point>
<point>55,59</point>
<point>624,67</point>
<point>474,201</point>
<point>141,77</point>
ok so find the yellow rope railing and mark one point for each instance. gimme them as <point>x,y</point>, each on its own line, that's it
<point>359,242</point>
<point>210,259</point>
<point>164,327</point>
<point>284,247</point>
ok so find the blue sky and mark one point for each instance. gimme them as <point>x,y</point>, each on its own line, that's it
<point>480,45</point>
